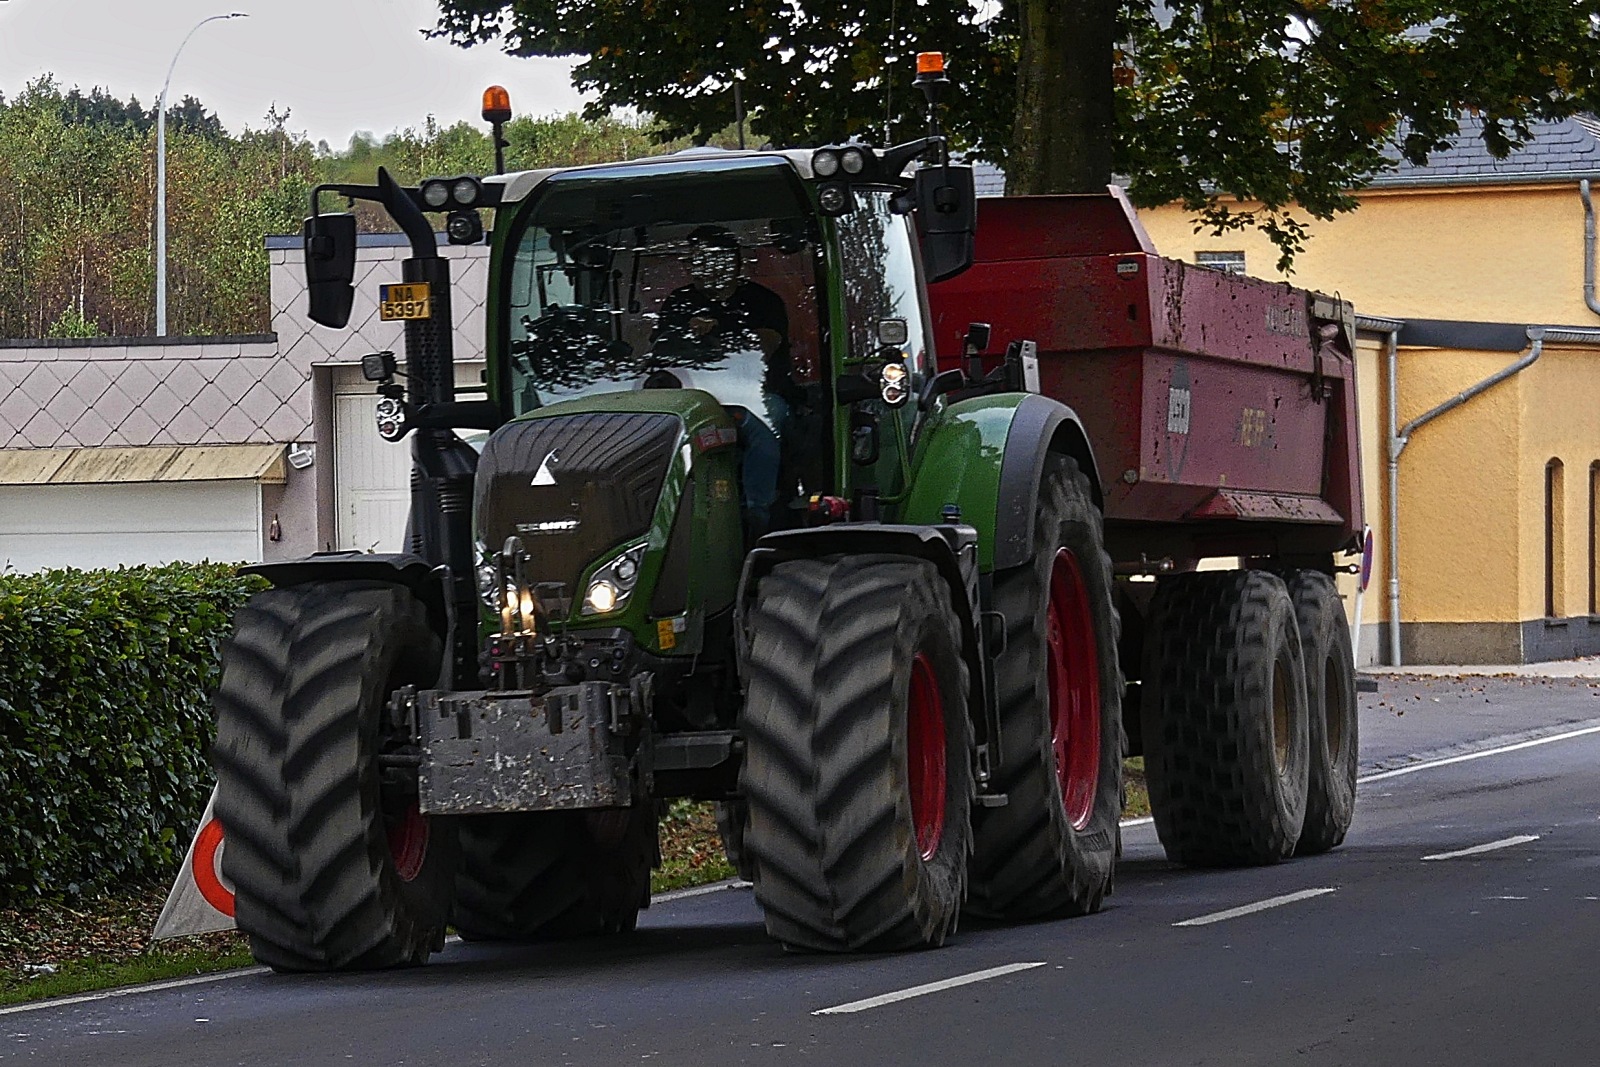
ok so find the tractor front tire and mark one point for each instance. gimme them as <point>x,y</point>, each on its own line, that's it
<point>1052,848</point>
<point>551,875</point>
<point>333,865</point>
<point>1226,725</point>
<point>1331,695</point>
<point>858,765</point>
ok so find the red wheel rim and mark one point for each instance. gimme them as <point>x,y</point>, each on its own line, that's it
<point>408,843</point>
<point>1074,666</point>
<point>925,755</point>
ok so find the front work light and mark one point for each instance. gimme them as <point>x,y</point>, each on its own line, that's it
<point>825,163</point>
<point>833,198</point>
<point>436,193</point>
<point>464,191</point>
<point>853,160</point>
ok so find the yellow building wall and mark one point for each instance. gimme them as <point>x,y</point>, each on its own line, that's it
<point>1511,253</point>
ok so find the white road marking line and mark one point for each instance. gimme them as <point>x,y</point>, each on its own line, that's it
<point>1503,749</point>
<point>923,990</point>
<point>1260,905</point>
<point>1504,842</point>
<point>699,890</point>
<point>149,987</point>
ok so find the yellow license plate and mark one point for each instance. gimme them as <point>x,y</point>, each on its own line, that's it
<point>409,301</point>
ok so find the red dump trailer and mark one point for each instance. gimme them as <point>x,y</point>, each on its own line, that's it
<point>1221,410</point>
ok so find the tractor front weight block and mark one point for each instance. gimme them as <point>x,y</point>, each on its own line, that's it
<point>492,751</point>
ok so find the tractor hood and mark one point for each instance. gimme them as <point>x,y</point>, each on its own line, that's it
<point>579,479</point>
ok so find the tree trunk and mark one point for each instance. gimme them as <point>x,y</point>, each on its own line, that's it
<point>1061,141</point>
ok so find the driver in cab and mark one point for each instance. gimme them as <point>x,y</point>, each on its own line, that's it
<point>717,314</point>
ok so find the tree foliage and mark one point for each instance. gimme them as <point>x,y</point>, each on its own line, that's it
<point>1249,112</point>
<point>77,202</point>
<point>77,215</point>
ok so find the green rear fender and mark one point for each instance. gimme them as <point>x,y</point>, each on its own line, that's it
<point>984,456</point>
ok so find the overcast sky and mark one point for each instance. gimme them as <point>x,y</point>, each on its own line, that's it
<point>338,65</point>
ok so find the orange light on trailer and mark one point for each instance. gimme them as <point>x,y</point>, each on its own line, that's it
<point>496,104</point>
<point>930,62</point>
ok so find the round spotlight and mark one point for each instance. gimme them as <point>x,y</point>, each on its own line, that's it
<point>853,160</point>
<point>825,164</point>
<point>602,597</point>
<point>625,569</point>
<point>464,192</point>
<point>833,198</point>
<point>435,193</point>
<point>895,389</point>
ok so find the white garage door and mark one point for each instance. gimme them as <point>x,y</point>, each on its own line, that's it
<point>372,478</point>
<point>129,523</point>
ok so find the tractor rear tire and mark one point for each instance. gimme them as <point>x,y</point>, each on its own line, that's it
<point>552,875</point>
<point>732,818</point>
<point>1051,849</point>
<point>1331,696</point>
<point>1226,724</point>
<point>333,865</point>
<point>858,765</point>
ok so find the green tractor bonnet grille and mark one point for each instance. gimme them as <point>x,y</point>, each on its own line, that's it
<point>573,487</point>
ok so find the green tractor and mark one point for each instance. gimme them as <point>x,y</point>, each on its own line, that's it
<point>733,537</point>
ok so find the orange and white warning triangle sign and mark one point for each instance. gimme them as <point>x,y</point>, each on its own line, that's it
<point>200,901</point>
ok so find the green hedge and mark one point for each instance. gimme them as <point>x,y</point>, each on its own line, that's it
<point>105,720</point>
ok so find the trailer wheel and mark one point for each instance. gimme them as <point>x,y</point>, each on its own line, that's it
<point>1331,697</point>
<point>550,875</point>
<point>333,865</point>
<point>1052,848</point>
<point>858,765</point>
<point>1226,728</point>
<point>732,818</point>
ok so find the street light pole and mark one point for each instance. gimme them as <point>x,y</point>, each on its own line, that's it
<point>161,175</point>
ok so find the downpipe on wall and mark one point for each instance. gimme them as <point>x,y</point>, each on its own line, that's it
<point>1589,297</point>
<point>1537,336</point>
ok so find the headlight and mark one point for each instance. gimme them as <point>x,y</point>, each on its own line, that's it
<point>825,164</point>
<point>464,191</point>
<point>613,583</point>
<point>853,160</point>
<point>602,597</point>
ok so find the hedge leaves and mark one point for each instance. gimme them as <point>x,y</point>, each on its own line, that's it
<point>105,720</point>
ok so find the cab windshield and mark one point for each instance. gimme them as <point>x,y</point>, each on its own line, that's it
<point>690,274</point>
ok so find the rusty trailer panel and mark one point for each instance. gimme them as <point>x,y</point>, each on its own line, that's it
<point>1221,408</point>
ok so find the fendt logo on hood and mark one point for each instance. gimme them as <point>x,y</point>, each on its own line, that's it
<point>544,476</point>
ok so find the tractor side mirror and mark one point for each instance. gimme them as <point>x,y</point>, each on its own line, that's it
<point>330,248</point>
<point>947,219</point>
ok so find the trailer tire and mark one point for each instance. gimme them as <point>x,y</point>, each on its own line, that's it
<point>1226,728</point>
<point>858,765</point>
<point>732,818</point>
<point>1331,697</point>
<point>552,875</point>
<point>1051,850</point>
<point>333,865</point>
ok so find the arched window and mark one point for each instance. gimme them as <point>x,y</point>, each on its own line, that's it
<point>1594,519</point>
<point>1554,542</point>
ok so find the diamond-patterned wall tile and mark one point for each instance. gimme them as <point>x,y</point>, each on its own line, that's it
<point>137,381</point>
<point>41,431</point>
<point>138,428</point>
<point>41,385</point>
<point>286,425</point>
<point>284,379</point>
<point>90,431</point>
<point>188,427</point>
<point>162,404</point>
<point>235,425</point>
<point>184,379</point>
<point>235,380</point>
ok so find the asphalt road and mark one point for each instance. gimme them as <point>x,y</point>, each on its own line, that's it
<point>1483,958</point>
